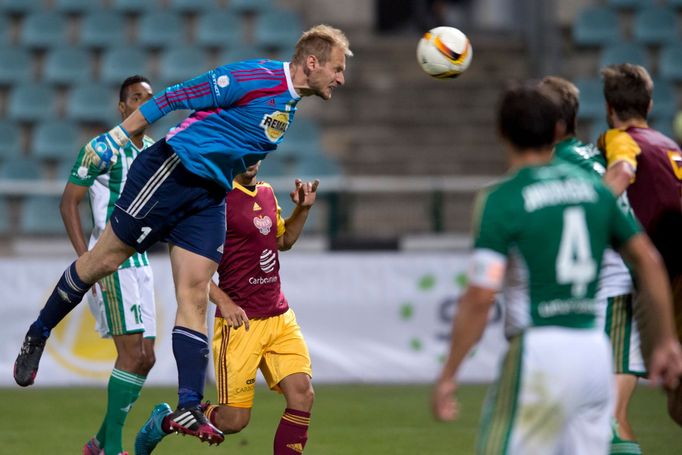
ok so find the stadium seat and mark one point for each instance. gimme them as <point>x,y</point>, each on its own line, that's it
<point>677,4</point>
<point>596,26</point>
<point>670,62</point>
<point>625,52</point>
<point>43,30</point>
<point>5,225</point>
<point>664,125</point>
<point>67,66</point>
<point>250,6</point>
<point>102,29</point>
<point>656,25</point>
<point>630,4</point>
<point>133,6</point>
<point>240,53</point>
<point>314,167</point>
<point>160,30</point>
<point>31,102</point>
<point>93,103</point>
<point>120,63</point>
<point>302,140</point>
<point>193,6</point>
<point>5,31</point>
<point>55,140</point>
<point>591,99</point>
<point>64,169</point>
<point>10,141</point>
<point>273,166</point>
<point>219,29</point>
<point>21,169</point>
<point>665,99</point>
<point>20,7</point>
<point>40,215</point>
<point>16,67</point>
<point>76,6</point>
<point>277,29</point>
<point>180,64</point>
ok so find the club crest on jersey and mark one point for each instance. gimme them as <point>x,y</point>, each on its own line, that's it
<point>263,223</point>
<point>275,125</point>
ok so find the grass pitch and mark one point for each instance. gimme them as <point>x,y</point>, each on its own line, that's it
<point>361,419</point>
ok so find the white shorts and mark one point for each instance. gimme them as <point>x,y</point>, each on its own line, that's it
<point>554,395</point>
<point>127,305</point>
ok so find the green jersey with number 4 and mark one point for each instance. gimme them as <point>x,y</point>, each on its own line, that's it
<point>551,224</point>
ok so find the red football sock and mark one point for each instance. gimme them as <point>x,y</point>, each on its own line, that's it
<point>292,432</point>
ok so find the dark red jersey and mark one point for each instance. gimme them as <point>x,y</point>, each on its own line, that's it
<point>249,268</point>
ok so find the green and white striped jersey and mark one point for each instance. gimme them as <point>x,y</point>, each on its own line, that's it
<point>549,225</point>
<point>105,187</point>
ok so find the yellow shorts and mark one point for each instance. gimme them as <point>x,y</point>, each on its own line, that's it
<point>275,345</point>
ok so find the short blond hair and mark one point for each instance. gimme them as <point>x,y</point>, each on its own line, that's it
<point>319,41</point>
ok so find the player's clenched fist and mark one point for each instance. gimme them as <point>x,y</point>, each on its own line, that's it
<point>103,151</point>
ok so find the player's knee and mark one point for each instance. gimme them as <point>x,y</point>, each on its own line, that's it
<point>148,361</point>
<point>228,421</point>
<point>302,397</point>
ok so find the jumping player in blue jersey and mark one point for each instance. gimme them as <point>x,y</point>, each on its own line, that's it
<point>175,192</point>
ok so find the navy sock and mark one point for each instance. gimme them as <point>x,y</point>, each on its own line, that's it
<point>66,295</point>
<point>190,349</point>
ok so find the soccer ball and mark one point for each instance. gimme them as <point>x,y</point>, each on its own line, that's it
<point>444,52</point>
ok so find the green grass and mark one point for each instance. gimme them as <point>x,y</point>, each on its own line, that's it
<point>362,419</point>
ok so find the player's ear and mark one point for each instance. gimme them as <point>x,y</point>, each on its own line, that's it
<point>121,107</point>
<point>311,62</point>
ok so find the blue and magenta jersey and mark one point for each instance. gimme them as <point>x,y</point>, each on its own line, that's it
<point>241,112</point>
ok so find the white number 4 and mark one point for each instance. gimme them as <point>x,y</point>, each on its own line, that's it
<point>574,263</point>
<point>145,232</point>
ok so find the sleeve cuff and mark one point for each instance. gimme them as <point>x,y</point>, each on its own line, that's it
<point>150,111</point>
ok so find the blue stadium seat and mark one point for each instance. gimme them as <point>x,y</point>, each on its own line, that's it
<point>273,166</point>
<point>10,141</point>
<point>21,169</point>
<point>624,52</point>
<point>93,103</point>
<point>670,62</point>
<point>160,30</point>
<point>5,225</point>
<point>76,6</point>
<point>664,125</point>
<point>43,30</point>
<point>40,216</point>
<point>277,29</point>
<point>20,7</point>
<point>665,99</point>
<point>193,6</point>
<point>302,141</point>
<point>674,3</point>
<point>250,6</point>
<point>133,6</point>
<point>630,4</point>
<point>243,52</point>
<point>182,63</point>
<point>218,29</point>
<point>67,66</point>
<point>55,140</point>
<point>656,25</point>
<point>596,26</point>
<point>122,62</point>
<point>16,67</point>
<point>5,31</point>
<point>315,167</point>
<point>32,102</point>
<point>591,99</point>
<point>102,29</point>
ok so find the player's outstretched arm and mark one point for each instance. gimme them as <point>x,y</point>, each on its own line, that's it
<point>467,328</point>
<point>655,318</point>
<point>230,311</point>
<point>303,196</point>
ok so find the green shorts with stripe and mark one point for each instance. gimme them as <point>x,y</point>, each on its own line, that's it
<point>554,394</point>
<point>126,304</point>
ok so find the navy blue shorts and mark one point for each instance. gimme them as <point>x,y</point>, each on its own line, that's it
<point>163,201</point>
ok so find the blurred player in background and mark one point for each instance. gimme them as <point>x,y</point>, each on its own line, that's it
<point>614,294</point>
<point>648,166</point>
<point>175,192</point>
<point>123,304</point>
<point>250,294</point>
<point>539,237</point>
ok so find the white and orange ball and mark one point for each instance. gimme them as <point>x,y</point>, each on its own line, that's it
<point>444,52</point>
